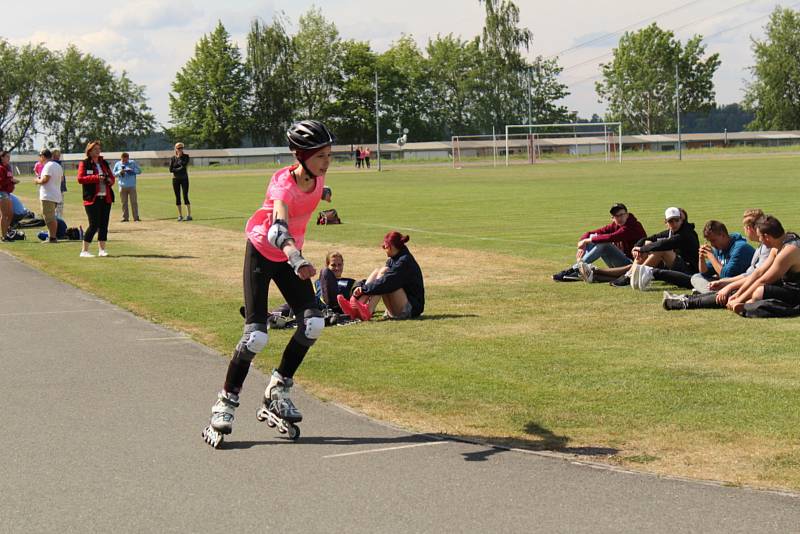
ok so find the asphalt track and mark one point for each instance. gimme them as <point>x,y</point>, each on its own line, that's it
<point>102,414</point>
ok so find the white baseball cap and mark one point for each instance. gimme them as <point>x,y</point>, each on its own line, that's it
<point>672,213</point>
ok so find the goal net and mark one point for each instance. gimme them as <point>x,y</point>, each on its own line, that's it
<point>482,149</point>
<point>535,143</point>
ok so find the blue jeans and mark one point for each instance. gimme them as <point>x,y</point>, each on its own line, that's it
<point>610,254</point>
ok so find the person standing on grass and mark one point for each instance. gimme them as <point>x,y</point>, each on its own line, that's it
<point>7,183</point>
<point>60,207</point>
<point>97,180</point>
<point>366,153</point>
<point>275,237</point>
<point>126,170</point>
<point>178,166</point>
<point>398,284</point>
<point>49,183</point>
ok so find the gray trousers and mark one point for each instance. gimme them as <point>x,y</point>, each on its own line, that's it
<point>124,194</point>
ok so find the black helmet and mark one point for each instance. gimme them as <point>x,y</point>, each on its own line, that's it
<point>309,135</point>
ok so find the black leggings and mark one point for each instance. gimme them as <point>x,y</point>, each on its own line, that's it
<point>299,294</point>
<point>98,214</point>
<point>179,184</point>
<point>676,278</point>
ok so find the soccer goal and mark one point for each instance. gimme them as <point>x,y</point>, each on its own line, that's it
<point>533,143</point>
<point>482,149</point>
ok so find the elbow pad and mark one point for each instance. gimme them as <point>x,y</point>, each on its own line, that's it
<point>278,234</point>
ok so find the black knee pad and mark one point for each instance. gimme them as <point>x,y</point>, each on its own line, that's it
<point>253,341</point>
<point>309,330</point>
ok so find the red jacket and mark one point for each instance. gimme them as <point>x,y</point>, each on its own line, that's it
<point>91,181</point>
<point>624,237</point>
<point>6,179</point>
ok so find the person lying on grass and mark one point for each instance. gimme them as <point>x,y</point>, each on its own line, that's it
<point>612,243</point>
<point>398,284</point>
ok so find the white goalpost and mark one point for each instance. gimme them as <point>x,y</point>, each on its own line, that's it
<point>539,142</point>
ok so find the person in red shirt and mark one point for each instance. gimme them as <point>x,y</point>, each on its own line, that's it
<point>7,183</point>
<point>95,175</point>
<point>275,237</point>
<point>613,243</point>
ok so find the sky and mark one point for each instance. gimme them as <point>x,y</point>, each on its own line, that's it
<point>152,39</point>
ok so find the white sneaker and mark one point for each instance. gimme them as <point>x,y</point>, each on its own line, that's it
<point>645,277</point>
<point>102,253</point>
<point>586,271</point>
<point>634,274</point>
<point>86,254</point>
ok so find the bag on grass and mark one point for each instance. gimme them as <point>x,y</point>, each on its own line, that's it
<point>328,217</point>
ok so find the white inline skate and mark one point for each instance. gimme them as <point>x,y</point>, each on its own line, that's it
<point>278,409</point>
<point>221,422</point>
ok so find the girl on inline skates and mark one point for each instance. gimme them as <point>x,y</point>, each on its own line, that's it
<point>275,235</point>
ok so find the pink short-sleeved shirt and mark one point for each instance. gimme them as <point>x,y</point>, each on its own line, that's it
<point>301,206</point>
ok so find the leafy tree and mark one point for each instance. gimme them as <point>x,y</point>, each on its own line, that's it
<point>109,108</point>
<point>22,95</point>
<point>353,113</point>
<point>317,73</point>
<point>733,118</point>
<point>639,84</point>
<point>456,65</point>
<point>503,94</point>
<point>208,101</point>
<point>270,69</point>
<point>546,90</point>
<point>405,95</point>
<point>774,94</point>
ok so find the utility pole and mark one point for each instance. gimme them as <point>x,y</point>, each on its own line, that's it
<point>377,122</point>
<point>678,111</point>
<point>529,100</point>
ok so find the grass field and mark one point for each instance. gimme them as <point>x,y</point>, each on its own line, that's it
<point>502,352</point>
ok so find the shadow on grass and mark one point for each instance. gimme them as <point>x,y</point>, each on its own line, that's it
<point>550,441</point>
<point>153,256</point>
<point>442,316</point>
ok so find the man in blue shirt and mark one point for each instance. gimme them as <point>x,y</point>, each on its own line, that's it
<point>126,171</point>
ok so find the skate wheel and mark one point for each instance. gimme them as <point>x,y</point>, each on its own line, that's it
<point>282,430</point>
<point>270,423</point>
<point>260,416</point>
<point>294,432</point>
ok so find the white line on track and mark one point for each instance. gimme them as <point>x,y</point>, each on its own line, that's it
<point>385,449</point>
<point>57,312</point>
<point>172,338</point>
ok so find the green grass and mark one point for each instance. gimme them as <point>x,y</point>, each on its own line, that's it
<point>508,354</point>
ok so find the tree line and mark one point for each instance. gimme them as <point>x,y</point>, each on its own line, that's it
<point>226,97</point>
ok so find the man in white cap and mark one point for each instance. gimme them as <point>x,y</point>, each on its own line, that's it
<point>676,248</point>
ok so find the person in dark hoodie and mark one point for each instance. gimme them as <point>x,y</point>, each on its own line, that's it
<point>398,283</point>
<point>676,248</point>
<point>724,256</point>
<point>612,243</point>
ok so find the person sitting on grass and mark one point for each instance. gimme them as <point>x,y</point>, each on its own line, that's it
<point>613,243</point>
<point>398,283</point>
<point>720,290</point>
<point>723,256</point>
<point>781,281</point>
<point>675,248</point>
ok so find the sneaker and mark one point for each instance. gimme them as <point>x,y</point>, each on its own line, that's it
<point>645,277</point>
<point>622,281</point>
<point>48,240</point>
<point>675,302</point>
<point>102,253</point>
<point>86,254</point>
<point>180,218</point>
<point>586,271</point>
<point>568,275</point>
<point>344,304</point>
<point>137,220</point>
<point>363,310</point>
<point>634,275</point>
<point>123,220</point>
<point>188,218</point>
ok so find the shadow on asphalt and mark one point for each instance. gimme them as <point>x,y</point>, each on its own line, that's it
<point>329,440</point>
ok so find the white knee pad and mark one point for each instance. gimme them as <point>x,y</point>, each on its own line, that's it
<point>314,327</point>
<point>313,324</point>
<point>255,338</point>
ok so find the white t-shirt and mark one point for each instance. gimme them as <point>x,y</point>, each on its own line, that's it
<point>52,189</point>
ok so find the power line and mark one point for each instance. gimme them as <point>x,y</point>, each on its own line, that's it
<point>698,21</point>
<point>626,28</point>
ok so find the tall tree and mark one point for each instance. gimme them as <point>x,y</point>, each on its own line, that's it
<point>503,96</point>
<point>109,108</point>
<point>457,67</point>
<point>208,101</point>
<point>639,84</point>
<point>774,94</point>
<point>270,69</point>
<point>546,90</point>
<point>317,62</point>
<point>353,113</point>
<point>22,95</point>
